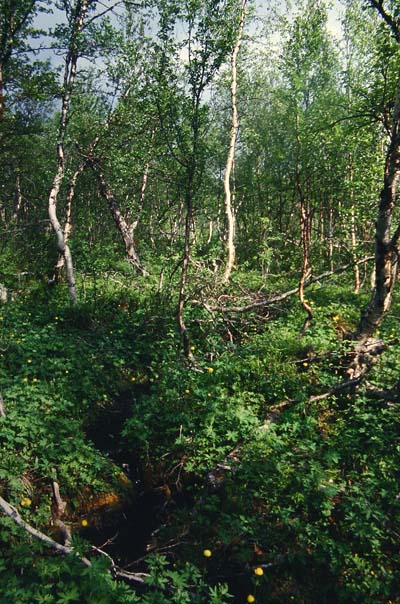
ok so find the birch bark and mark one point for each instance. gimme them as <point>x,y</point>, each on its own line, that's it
<point>69,80</point>
<point>229,196</point>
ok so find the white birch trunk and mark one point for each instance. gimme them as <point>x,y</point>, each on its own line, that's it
<point>229,198</point>
<point>69,79</point>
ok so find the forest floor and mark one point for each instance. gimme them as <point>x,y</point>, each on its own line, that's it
<point>226,470</point>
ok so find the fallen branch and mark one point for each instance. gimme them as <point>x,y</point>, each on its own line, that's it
<point>348,384</point>
<point>292,292</point>
<point>115,571</point>
<point>10,511</point>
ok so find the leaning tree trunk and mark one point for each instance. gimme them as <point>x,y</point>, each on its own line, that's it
<point>123,227</point>
<point>229,210</point>
<point>386,257</point>
<point>69,80</point>
<point>68,222</point>
<point>386,243</point>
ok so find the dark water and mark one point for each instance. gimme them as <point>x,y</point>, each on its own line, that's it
<point>128,535</point>
<point>127,532</point>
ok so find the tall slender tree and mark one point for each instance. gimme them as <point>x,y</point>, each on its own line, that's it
<point>229,197</point>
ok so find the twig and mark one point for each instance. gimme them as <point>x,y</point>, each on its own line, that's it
<point>119,572</point>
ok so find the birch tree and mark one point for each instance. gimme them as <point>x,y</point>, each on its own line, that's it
<point>229,197</point>
<point>76,17</point>
<point>386,233</point>
<point>206,46</point>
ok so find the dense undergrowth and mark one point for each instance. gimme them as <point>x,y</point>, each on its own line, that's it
<point>245,465</point>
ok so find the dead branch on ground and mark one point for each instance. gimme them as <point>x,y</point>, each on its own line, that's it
<point>267,301</point>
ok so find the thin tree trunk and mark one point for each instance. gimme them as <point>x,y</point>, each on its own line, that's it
<point>330,238</point>
<point>229,197</point>
<point>69,79</point>
<point>386,245</point>
<point>305,231</point>
<point>123,227</point>
<point>1,93</point>
<point>210,231</point>
<point>68,212</point>
<point>353,249</point>
<point>18,196</point>
<point>305,269</point>
<point>185,265</point>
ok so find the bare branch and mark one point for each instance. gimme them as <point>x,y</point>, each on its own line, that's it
<point>10,511</point>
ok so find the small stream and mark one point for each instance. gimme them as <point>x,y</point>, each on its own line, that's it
<point>124,534</point>
<point>128,534</point>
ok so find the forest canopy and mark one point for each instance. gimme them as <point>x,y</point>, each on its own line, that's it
<point>199,308</point>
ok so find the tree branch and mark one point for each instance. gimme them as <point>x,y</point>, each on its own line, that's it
<point>292,292</point>
<point>389,20</point>
<point>10,511</point>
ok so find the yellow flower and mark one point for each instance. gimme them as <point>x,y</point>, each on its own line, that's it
<point>34,380</point>
<point>29,361</point>
<point>187,391</point>
<point>207,553</point>
<point>209,394</point>
<point>25,380</point>
<point>210,369</point>
<point>305,364</point>
<point>66,371</point>
<point>84,522</point>
<point>193,348</point>
<point>26,502</point>
<point>133,379</point>
<point>336,318</point>
<point>258,571</point>
<point>251,598</point>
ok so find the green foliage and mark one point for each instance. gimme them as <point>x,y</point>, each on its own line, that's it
<point>239,455</point>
